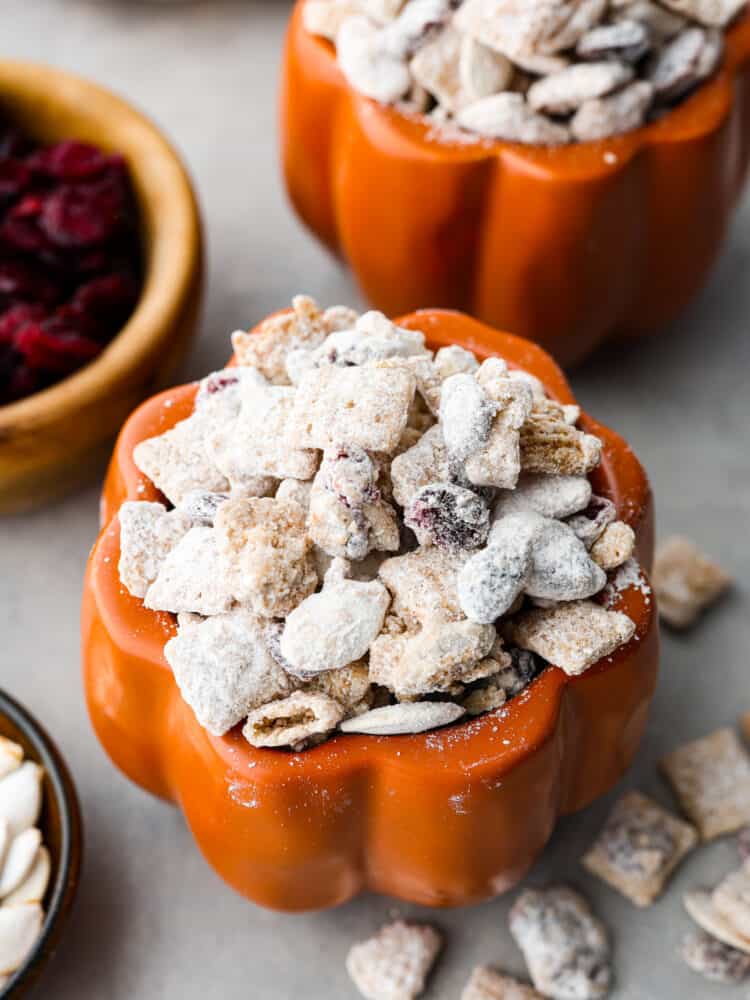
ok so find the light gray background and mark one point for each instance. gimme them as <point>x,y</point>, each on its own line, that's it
<point>152,920</point>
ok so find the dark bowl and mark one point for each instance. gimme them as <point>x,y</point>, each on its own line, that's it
<point>60,823</point>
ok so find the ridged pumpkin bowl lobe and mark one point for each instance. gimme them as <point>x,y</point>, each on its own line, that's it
<point>567,246</point>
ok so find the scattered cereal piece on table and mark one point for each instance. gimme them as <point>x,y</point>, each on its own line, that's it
<point>699,905</point>
<point>395,963</point>
<point>711,958</point>
<point>486,984</point>
<point>711,778</point>
<point>685,581</point>
<point>564,944</point>
<point>639,847</point>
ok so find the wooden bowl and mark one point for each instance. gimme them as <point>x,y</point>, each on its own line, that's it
<point>60,824</point>
<point>51,441</point>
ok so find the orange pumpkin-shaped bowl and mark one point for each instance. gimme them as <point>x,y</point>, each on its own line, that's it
<point>565,246</point>
<point>442,818</point>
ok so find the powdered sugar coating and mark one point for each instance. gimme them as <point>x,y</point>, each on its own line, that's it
<point>486,984</point>
<point>711,778</point>
<point>266,554</point>
<point>549,495</point>
<point>335,627</point>
<point>366,407</point>
<point>564,944</point>
<point>190,578</point>
<point>572,636</point>
<point>148,533</point>
<point>223,669</point>
<point>395,963</point>
<point>714,960</point>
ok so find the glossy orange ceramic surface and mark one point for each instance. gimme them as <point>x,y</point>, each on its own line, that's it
<point>442,818</point>
<point>565,246</point>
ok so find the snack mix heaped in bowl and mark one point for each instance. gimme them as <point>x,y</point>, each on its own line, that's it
<point>365,537</point>
<point>545,72</point>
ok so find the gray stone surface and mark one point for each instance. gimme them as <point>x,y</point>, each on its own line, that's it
<point>152,920</point>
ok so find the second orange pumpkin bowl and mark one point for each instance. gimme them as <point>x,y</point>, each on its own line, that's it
<point>443,818</point>
<point>566,246</point>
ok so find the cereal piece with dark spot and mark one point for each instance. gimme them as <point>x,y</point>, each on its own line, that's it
<point>566,91</point>
<point>551,444</point>
<point>266,554</point>
<point>427,461</point>
<point>711,778</point>
<point>292,722</point>
<point>614,547</point>
<point>685,62</point>
<point>625,40</point>
<point>395,963</point>
<point>639,848</point>
<point>608,116</point>
<point>686,582</point>
<point>223,669</point>
<point>592,522</point>
<point>564,944</point>
<point>573,636</point>
<point>201,507</point>
<point>715,961</point>
<point>448,516</point>
<point>486,984</point>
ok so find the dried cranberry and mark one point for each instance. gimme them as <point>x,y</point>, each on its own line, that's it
<point>70,161</point>
<point>449,516</point>
<point>15,318</point>
<point>14,178</point>
<point>54,351</point>
<point>108,296</point>
<point>21,281</point>
<point>81,215</point>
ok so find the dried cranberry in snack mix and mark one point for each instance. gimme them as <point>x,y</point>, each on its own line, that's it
<point>70,261</point>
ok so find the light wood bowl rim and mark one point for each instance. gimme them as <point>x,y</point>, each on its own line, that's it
<point>162,183</point>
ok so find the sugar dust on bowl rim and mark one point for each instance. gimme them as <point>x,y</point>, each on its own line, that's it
<point>568,245</point>
<point>444,817</point>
